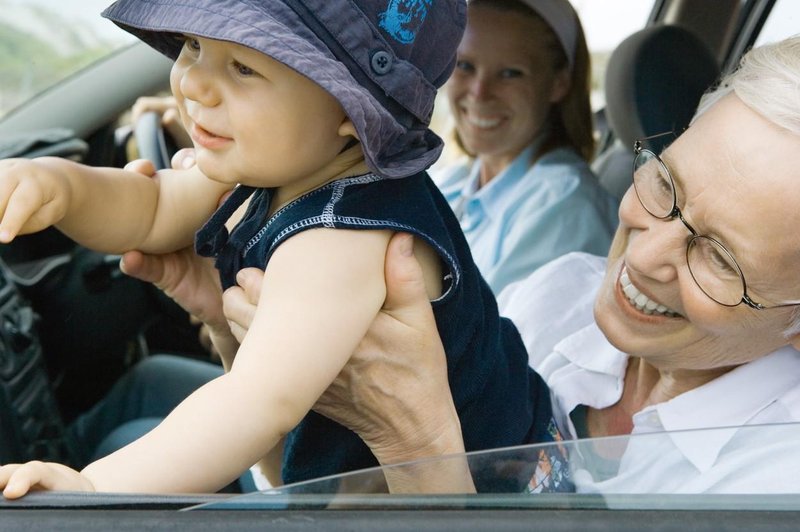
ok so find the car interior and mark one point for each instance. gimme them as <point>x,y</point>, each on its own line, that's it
<point>72,322</point>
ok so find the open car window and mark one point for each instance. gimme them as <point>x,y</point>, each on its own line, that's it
<point>606,23</point>
<point>783,21</point>
<point>45,41</point>
<point>752,468</point>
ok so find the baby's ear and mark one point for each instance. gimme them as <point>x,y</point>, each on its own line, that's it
<point>348,129</point>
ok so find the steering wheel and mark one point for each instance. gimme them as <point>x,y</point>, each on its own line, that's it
<point>151,141</point>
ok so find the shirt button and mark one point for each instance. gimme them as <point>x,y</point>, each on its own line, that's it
<point>381,62</point>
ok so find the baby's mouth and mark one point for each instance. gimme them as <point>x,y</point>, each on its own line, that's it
<point>640,301</point>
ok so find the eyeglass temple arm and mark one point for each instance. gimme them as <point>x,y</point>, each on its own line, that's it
<point>639,144</point>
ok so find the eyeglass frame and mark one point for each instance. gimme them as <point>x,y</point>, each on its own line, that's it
<point>675,212</point>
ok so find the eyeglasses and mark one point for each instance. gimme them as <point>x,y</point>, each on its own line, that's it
<point>711,265</point>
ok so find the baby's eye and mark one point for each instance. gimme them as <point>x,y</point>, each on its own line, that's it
<point>243,70</point>
<point>192,43</point>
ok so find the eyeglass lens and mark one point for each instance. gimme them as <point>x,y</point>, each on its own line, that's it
<point>653,184</point>
<point>713,268</point>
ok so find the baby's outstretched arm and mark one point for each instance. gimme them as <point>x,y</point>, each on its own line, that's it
<point>321,291</point>
<point>106,209</point>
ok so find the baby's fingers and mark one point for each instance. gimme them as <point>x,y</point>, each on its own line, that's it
<point>24,202</point>
<point>5,473</point>
<point>19,479</point>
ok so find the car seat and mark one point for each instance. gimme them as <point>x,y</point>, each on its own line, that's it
<point>654,81</point>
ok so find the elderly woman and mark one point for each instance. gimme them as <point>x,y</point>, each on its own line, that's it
<point>691,322</point>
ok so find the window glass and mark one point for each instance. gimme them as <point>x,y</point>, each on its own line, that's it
<point>45,41</point>
<point>753,467</point>
<point>606,23</point>
<point>783,21</point>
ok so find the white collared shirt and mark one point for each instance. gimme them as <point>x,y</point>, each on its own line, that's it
<point>553,309</point>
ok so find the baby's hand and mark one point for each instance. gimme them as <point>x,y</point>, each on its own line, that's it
<point>34,195</point>
<point>18,479</point>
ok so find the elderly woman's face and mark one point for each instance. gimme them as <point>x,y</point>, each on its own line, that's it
<point>737,180</point>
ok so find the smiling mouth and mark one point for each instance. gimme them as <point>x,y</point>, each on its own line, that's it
<point>481,122</point>
<point>205,132</point>
<point>641,302</point>
<point>206,138</point>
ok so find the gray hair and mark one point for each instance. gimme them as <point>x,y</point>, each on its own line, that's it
<point>767,80</point>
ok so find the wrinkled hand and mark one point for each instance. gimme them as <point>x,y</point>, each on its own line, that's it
<point>170,117</point>
<point>34,195</point>
<point>18,479</point>
<point>239,302</point>
<point>190,280</point>
<point>394,391</point>
<point>204,337</point>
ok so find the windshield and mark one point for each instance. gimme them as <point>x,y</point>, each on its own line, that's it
<point>45,41</point>
<point>733,467</point>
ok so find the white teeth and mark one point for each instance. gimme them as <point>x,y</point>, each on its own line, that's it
<point>641,301</point>
<point>482,122</point>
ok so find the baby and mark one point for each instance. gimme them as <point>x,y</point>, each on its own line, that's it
<point>315,114</point>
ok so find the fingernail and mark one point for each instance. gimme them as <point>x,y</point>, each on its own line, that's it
<point>187,162</point>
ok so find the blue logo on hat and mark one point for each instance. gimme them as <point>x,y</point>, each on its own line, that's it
<point>403,18</point>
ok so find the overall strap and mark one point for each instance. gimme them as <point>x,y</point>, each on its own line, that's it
<point>213,235</point>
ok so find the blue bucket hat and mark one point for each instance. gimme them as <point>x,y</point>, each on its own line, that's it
<point>381,59</point>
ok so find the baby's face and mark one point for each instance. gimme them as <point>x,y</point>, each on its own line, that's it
<point>252,119</point>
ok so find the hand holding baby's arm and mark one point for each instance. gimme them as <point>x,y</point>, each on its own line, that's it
<point>18,479</point>
<point>34,194</point>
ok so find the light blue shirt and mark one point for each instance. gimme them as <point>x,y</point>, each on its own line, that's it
<point>529,215</point>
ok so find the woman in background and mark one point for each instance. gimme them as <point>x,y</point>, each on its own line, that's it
<point>519,97</point>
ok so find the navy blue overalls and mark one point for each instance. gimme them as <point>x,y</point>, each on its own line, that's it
<point>499,399</point>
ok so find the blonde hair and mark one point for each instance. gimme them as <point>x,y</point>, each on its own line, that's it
<point>573,125</point>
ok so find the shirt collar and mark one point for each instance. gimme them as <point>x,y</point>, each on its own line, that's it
<point>721,403</point>
<point>494,195</point>
<point>589,349</point>
<point>594,375</point>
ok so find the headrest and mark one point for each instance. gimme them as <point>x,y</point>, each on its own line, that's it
<point>654,81</point>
